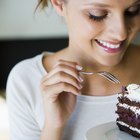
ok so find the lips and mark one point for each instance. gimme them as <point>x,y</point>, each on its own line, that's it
<point>110,47</point>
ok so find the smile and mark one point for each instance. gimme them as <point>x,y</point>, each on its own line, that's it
<point>110,47</point>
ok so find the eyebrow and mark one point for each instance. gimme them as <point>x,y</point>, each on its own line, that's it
<point>136,2</point>
<point>98,4</point>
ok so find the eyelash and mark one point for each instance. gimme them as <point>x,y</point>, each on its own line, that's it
<point>101,18</point>
<point>133,13</point>
<point>97,18</point>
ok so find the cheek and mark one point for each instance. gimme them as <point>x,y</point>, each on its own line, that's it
<point>88,29</point>
<point>82,29</point>
<point>135,28</point>
<point>135,24</point>
<point>93,30</point>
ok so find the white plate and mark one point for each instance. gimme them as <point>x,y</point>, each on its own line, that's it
<point>108,131</point>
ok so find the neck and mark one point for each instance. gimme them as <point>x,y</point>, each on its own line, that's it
<point>88,63</point>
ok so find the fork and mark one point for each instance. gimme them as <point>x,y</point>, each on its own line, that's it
<point>104,74</point>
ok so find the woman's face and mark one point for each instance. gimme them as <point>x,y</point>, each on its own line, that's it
<point>102,29</point>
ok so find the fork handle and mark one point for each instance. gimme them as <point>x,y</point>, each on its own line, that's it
<point>88,73</point>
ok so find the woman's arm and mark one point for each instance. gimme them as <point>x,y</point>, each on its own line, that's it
<point>23,125</point>
<point>51,133</point>
<point>59,90</point>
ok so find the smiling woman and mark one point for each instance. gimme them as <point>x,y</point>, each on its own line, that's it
<point>48,96</point>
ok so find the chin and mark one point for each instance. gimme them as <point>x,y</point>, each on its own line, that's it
<point>110,62</point>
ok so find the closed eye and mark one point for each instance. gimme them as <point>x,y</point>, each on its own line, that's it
<point>133,11</point>
<point>97,18</point>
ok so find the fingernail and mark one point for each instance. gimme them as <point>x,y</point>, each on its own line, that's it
<point>81,79</point>
<point>80,93</point>
<point>80,86</point>
<point>79,67</point>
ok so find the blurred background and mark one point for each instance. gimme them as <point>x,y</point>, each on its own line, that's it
<point>25,33</point>
<point>19,20</point>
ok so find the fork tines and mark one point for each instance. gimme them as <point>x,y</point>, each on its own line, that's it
<point>110,77</point>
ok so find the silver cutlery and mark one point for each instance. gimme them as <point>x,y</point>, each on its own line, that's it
<point>104,74</point>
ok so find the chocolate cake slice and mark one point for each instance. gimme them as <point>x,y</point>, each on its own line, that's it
<point>128,110</point>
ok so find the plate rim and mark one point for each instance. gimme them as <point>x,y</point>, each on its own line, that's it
<point>103,128</point>
<point>109,125</point>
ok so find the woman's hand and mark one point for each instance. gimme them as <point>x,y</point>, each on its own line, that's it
<point>60,88</point>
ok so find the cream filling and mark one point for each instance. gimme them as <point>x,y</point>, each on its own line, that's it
<point>131,97</point>
<point>135,109</point>
<point>130,127</point>
<point>133,92</point>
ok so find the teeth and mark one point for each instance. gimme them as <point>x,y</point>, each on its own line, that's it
<point>109,45</point>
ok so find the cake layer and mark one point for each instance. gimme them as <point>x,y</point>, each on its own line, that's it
<point>128,116</point>
<point>133,109</point>
<point>132,124</point>
<point>125,100</point>
<point>129,130</point>
<point>128,110</point>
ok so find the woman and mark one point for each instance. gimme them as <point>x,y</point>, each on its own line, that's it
<point>48,97</point>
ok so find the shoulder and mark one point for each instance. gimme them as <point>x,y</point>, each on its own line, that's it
<point>23,94</point>
<point>25,74</point>
<point>25,66</point>
<point>24,80</point>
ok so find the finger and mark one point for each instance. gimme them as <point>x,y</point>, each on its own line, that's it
<point>66,66</point>
<point>67,69</point>
<point>52,91</point>
<point>62,77</point>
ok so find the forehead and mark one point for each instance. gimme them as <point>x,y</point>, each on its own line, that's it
<point>109,3</point>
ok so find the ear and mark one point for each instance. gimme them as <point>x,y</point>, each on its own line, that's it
<point>59,6</point>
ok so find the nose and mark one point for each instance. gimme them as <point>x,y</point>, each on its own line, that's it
<point>119,29</point>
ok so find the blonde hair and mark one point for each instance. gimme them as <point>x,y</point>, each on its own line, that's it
<point>43,3</point>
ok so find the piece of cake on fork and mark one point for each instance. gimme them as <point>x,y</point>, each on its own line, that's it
<point>128,110</point>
